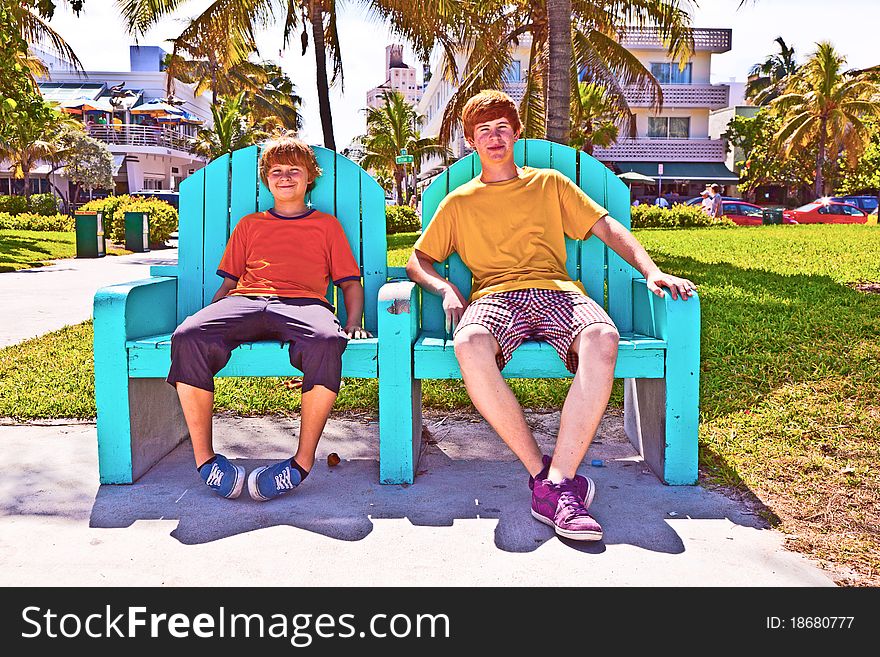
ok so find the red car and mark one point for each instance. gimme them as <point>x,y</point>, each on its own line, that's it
<point>743,213</point>
<point>825,211</point>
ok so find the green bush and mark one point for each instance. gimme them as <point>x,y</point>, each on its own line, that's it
<point>28,221</point>
<point>13,204</point>
<point>45,204</point>
<point>163,217</point>
<point>677,216</point>
<point>401,219</point>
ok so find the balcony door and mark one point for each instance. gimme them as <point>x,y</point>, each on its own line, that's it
<point>669,127</point>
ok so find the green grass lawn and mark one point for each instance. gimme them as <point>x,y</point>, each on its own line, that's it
<point>790,376</point>
<point>22,249</point>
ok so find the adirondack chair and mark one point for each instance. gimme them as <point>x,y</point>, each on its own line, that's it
<point>659,351</point>
<point>139,416</point>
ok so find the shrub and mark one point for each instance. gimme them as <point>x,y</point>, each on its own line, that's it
<point>163,216</point>
<point>677,216</point>
<point>28,221</point>
<point>401,219</point>
<point>13,204</point>
<point>45,204</point>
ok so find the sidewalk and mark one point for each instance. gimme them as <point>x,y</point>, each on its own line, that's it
<point>464,522</point>
<point>44,299</point>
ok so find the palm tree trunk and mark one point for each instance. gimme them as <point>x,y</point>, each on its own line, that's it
<point>317,17</point>
<point>398,183</point>
<point>820,159</point>
<point>560,62</point>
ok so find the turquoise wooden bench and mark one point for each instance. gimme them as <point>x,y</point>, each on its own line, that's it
<point>659,352</point>
<point>139,416</point>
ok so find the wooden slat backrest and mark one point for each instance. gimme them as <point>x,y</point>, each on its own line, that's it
<point>214,199</point>
<point>590,261</point>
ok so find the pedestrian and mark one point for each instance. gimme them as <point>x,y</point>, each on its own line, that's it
<point>661,202</point>
<point>717,209</point>
<point>275,272</point>
<point>706,203</point>
<point>509,225</point>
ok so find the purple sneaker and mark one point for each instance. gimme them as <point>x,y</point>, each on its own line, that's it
<point>560,506</point>
<point>585,486</point>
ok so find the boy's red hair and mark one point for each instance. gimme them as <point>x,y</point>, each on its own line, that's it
<point>489,105</point>
<point>289,150</point>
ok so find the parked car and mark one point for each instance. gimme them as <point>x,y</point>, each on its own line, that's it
<point>861,201</point>
<point>743,213</point>
<point>170,197</point>
<point>826,211</point>
<point>698,199</point>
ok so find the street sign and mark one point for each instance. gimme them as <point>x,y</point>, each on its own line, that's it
<point>659,169</point>
<point>404,159</point>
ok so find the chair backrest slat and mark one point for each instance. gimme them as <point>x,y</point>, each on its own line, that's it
<point>214,199</point>
<point>589,261</point>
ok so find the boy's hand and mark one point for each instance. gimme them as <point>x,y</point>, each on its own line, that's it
<point>453,306</point>
<point>357,332</point>
<point>677,286</point>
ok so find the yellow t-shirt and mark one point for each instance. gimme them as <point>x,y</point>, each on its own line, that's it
<point>511,234</point>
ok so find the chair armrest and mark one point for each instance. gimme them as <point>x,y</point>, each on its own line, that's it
<point>132,310</point>
<point>663,317</point>
<point>399,310</point>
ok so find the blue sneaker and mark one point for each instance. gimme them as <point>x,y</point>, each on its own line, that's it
<point>223,477</point>
<point>270,481</point>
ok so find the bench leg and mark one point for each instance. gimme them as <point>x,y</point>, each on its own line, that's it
<point>661,420</point>
<point>400,428</point>
<point>142,425</point>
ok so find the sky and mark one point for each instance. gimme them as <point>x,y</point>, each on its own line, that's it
<point>852,26</point>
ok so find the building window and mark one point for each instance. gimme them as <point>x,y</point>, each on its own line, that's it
<point>669,127</point>
<point>669,73</point>
<point>153,183</point>
<point>513,73</point>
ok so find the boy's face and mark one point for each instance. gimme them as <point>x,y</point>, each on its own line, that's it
<point>288,182</point>
<point>493,140</point>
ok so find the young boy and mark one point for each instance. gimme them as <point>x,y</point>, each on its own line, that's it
<point>276,269</point>
<point>509,227</point>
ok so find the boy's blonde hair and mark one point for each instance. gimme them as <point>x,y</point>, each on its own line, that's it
<point>489,105</point>
<point>287,149</point>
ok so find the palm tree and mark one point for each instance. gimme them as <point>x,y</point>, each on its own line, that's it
<point>826,106</point>
<point>31,17</point>
<point>596,118</point>
<point>390,128</point>
<point>423,28</point>
<point>495,27</point>
<point>768,78</point>
<point>233,129</point>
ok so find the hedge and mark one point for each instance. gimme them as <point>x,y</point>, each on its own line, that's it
<point>677,216</point>
<point>27,221</point>
<point>44,204</point>
<point>163,216</point>
<point>401,219</point>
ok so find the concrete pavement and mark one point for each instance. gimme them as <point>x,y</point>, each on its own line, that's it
<point>464,522</point>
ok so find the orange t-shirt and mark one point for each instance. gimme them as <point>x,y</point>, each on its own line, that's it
<point>297,257</point>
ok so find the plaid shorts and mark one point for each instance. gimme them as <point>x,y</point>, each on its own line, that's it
<point>554,316</point>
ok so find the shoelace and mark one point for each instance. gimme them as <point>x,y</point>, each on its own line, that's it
<point>572,504</point>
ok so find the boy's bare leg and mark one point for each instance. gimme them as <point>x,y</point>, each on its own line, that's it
<point>316,406</point>
<point>475,348</point>
<point>587,398</point>
<point>198,410</point>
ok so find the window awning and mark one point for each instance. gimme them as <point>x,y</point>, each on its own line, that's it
<point>117,164</point>
<point>701,171</point>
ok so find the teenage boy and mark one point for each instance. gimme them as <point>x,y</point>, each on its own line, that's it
<point>276,269</point>
<point>509,226</point>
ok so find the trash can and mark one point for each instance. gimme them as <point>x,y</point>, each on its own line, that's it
<point>90,242</point>
<point>772,216</point>
<point>137,231</point>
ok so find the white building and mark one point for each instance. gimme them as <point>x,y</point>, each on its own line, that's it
<point>148,153</point>
<point>678,137</point>
<point>399,76</point>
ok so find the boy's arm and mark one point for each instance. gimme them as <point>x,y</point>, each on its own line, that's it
<point>420,270</point>
<point>226,287</point>
<point>353,293</point>
<point>622,242</point>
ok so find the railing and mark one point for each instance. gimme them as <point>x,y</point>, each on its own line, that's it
<point>130,134</point>
<point>711,39</point>
<point>668,150</point>
<point>516,90</point>
<point>712,96</point>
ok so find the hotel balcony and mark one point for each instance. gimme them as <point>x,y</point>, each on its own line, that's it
<point>648,38</point>
<point>710,96</point>
<point>129,134</point>
<point>663,150</point>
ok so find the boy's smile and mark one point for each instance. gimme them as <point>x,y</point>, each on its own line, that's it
<point>288,182</point>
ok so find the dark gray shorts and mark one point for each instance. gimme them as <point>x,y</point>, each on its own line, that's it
<point>202,345</point>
